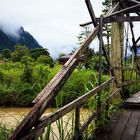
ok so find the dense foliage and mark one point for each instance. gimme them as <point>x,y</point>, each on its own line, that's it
<point>24,73</point>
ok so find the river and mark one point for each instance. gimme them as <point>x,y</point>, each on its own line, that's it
<point>11,117</point>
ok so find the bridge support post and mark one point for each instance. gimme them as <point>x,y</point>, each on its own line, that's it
<point>116,55</point>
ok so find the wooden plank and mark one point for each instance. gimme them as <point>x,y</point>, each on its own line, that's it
<point>134,98</point>
<point>41,105</point>
<point>133,101</point>
<point>137,136</point>
<point>121,125</point>
<point>131,128</point>
<point>64,110</point>
<point>119,19</point>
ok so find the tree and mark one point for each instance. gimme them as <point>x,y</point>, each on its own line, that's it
<point>19,52</point>
<point>27,74</point>
<point>84,34</point>
<point>35,53</point>
<point>45,59</point>
<point>6,53</point>
<point>26,59</point>
<point>107,28</point>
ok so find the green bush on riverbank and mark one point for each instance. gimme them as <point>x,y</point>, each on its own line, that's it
<point>20,83</point>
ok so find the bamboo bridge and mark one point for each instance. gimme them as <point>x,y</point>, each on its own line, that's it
<point>128,126</point>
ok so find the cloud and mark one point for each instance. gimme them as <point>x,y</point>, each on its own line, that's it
<point>54,24</point>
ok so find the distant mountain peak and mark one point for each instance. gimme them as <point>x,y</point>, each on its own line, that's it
<point>22,37</point>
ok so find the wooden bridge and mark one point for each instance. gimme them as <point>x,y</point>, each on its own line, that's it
<point>128,127</point>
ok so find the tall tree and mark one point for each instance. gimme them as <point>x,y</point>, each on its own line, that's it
<point>107,28</point>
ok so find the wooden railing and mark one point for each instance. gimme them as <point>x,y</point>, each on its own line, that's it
<point>48,120</point>
<point>130,75</point>
<point>33,124</point>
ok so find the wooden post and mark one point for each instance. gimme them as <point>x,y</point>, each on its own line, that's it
<point>116,56</point>
<point>77,135</point>
<point>100,70</point>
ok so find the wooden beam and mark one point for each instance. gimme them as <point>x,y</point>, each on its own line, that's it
<point>92,15</point>
<point>119,19</point>
<point>115,19</point>
<point>136,42</point>
<point>89,120</point>
<point>113,9</point>
<point>84,46</point>
<point>124,10</point>
<point>77,134</point>
<point>76,54</point>
<point>45,121</point>
<point>48,94</point>
<point>134,1</point>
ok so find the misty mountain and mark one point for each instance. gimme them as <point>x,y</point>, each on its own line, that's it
<point>22,37</point>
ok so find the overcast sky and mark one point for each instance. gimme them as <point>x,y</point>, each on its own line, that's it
<point>54,23</point>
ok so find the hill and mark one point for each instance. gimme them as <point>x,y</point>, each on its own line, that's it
<point>8,41</point>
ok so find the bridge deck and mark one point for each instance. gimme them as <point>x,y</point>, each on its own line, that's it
<point>127,127</point>
<point>133,101</point>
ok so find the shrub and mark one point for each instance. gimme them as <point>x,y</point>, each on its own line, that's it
<point>26,59</point>
<point>44,59</point>
<point>27,74</point>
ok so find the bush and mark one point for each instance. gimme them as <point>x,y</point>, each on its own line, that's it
<point>27,74</point>
<point>26,59</point>
<point>80,82</point>
<point>44,59</point>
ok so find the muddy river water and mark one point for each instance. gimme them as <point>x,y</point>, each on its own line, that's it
<point>11,117</point>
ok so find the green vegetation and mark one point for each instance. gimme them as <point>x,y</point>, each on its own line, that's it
<point>4,132</point>
<point>23,74</point>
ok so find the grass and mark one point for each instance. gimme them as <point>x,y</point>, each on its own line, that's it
<point>4,132</point>
<point>18,92</point>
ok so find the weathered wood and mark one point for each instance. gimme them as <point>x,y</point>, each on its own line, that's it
<point>76,54</point>
<point>126,83</point>
<point>121,125</point>
<point>64,110</point>
<point>136,42</point>
<point>119,19</point>
<point>100,50</point>
<point>45,100</point>
<point>92,15</point>
<point>133,101</point>
<point>89,120</point>
<point>137,136</point>
<point>84,46</point>
<point>129,133</point>
<point>116,55</point>
<point>77,134</point>
<point>134,1</point>
<point>124,10</point>
<point>100,67</point>
<point>116,7</point>
<point>114,94</point>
